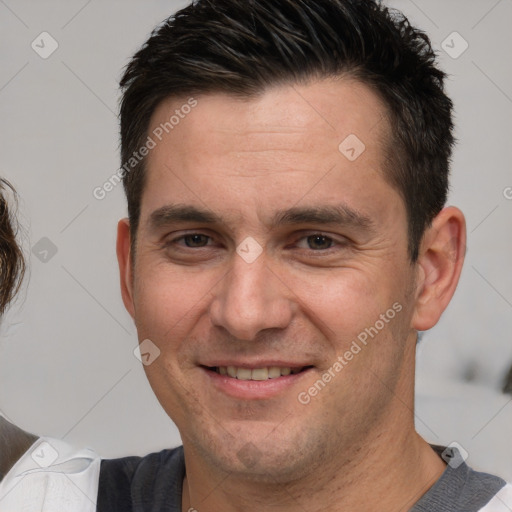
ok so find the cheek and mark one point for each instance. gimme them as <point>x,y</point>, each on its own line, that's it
<point>361,315</point>
<point>168,299</point>
<point>343,301</point>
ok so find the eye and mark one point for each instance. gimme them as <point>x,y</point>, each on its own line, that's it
<point>195,240</point>
<point>192,247</point>
<point>316,242</point>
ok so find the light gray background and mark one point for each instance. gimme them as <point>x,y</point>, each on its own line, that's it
<point>67,367</point>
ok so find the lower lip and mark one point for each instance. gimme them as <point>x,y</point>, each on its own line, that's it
<point>253,389</point>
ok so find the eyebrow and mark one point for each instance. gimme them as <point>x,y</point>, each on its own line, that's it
<point>169,214</point>
<point>339,214</point>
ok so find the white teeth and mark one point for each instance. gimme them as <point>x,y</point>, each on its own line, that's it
<point>273,372</point>
<point>259,374</point>
<point>244,374</point>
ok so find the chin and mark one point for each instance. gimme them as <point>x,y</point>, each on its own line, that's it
<point>263,457</point>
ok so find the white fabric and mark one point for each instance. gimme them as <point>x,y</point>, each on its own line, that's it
<point>52,476</point>
<point>502,502</point>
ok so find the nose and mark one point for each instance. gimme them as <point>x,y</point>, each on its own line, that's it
<point>250,299</point>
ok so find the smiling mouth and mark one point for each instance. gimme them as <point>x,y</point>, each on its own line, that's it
<point>265,373</point>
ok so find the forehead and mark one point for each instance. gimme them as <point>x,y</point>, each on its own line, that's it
<point>333,108</point>
<point>290,142</point>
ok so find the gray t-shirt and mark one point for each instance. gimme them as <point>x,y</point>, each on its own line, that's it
<point>154,484</point>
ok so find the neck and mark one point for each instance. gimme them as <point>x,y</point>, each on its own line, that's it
<point>14,442</point>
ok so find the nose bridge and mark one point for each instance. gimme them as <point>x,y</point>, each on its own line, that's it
<point>250,299</point>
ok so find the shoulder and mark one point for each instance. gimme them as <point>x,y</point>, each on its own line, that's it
<point>130,483</point>
<point>462,489</point>
<point>53,474</point>
<point>14,442</point>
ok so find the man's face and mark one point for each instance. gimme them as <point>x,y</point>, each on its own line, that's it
<point>265,248</point>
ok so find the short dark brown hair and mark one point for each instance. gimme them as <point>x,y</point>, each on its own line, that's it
<point>12,264</point>
<point>243,47</point>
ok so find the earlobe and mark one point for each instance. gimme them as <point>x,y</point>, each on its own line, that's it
<point>123,249</point>
<point>439,267</point>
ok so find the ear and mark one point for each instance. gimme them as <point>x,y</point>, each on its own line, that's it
<point>439,266</point>
<point>123,249</point>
